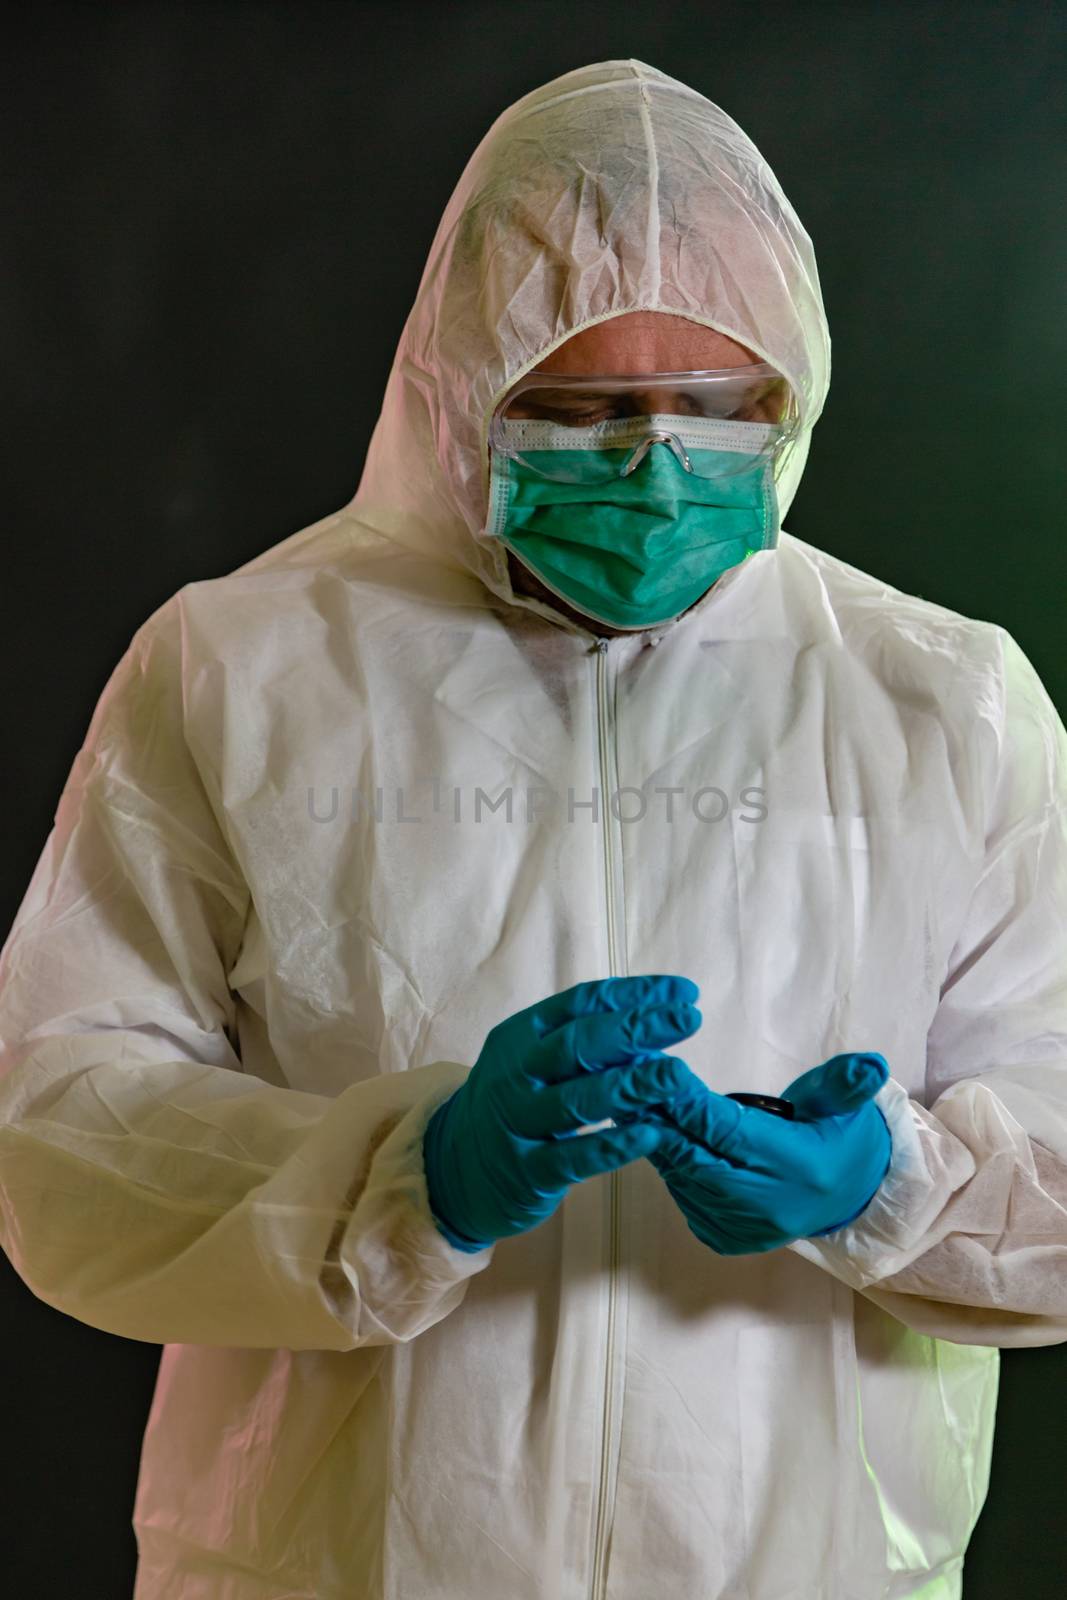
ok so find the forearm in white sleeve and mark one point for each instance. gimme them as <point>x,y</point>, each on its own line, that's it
<point>967,1237</point>
<point>148,1185</point>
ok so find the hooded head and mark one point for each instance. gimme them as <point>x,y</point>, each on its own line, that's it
<point>610,190</point>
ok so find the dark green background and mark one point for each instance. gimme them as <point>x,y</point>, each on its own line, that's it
<point>215,219</point>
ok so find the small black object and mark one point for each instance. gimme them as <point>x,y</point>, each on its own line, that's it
<point>767,1102</point>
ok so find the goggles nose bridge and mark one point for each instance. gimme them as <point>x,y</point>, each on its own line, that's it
<point>657,436</point>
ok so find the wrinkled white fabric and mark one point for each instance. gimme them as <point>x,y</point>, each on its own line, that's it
<point>339,812</point>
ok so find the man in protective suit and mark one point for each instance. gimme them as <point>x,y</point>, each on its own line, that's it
<point>427,891</point>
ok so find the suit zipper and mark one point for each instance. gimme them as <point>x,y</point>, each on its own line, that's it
<point>605,742</point>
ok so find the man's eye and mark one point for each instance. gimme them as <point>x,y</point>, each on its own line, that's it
<point>575,418</point>
<point>766,406</point>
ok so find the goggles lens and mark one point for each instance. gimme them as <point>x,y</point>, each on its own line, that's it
<point>721,420</point>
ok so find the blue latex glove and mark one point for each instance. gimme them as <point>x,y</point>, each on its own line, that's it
<point>748,1181</point>
<point>501,1153</point>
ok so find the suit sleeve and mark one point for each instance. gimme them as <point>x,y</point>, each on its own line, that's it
<point>149,1186</point>
<point>967,1237</point>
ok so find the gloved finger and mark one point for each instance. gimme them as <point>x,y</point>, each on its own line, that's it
<point>605,994</point>
<point>619,1092</point>
<point>565,1161</point>
<point>740,1135</point>
<point>840,1085</point>
<point>679,1118</point>
<point>672,1151</point>
<point>607,1039</point>
<point>759,1144</point>
<point>676,1157</point>
<point>748,1136</point>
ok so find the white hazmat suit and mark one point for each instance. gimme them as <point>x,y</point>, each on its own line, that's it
<point>341,811</point>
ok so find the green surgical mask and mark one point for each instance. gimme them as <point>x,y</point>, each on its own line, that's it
<point>638,550</point>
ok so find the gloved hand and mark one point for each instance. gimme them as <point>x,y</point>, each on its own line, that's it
<point>748,1181</point>
<point>501,1152</point>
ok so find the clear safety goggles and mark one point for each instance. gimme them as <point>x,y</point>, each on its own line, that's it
<point>717,422</point>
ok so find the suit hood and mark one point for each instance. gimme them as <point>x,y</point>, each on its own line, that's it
<point>611,189</point>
